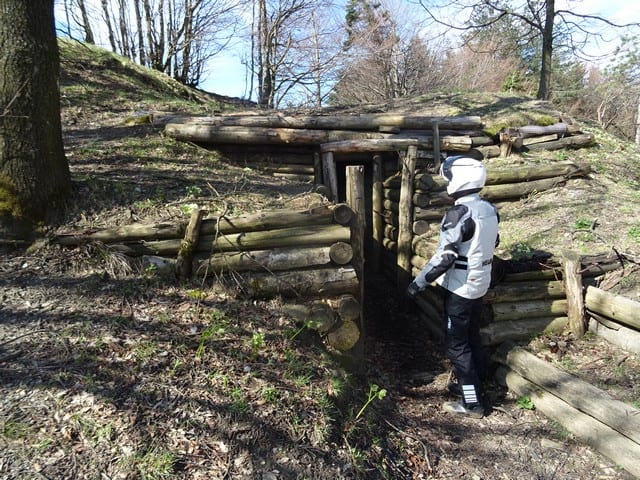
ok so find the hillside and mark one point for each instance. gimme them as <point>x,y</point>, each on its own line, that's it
<point>112,372</point>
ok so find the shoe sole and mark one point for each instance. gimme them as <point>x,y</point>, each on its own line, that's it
<point>456,408</point>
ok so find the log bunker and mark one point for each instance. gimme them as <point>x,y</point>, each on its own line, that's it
<point>383,202</point>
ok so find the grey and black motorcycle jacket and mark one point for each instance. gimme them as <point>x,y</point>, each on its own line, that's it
<point>468,237</point>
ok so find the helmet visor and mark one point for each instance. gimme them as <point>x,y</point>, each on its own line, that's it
<point>446,166</point>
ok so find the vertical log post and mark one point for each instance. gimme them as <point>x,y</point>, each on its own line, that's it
<point>405,218</point>
<point>329,175</point>
<point>185,254</point>
<point>356,200</point>
<point>317,169</point>
<point>436,147</point>
<point>378,211</point>
<point>573,289</point>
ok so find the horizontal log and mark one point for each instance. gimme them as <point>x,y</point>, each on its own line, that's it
<point>540,139</point>
<point>364,121</point>
<point>267,220</point>
<point>429,213</point>
<point>295,177</point>
<point>275,259</point>
<point>290,168</point>
<point>315,283</point>
<point>534,275</point>
<point>316,315</point>
<point>347,306</point>
<point>424,247</point>
<point>499,175</point>
<point>390,244</point>
<point>621,336</point>
<point>521,330</point>
<point>270,220</point>
<point>485,151</point>
<point>620,449</point>
<point>390,205</point>
<point>283,237</point>
<point>581,395</point>
<point>260,136</point>
<point>316,235</point>
<point>391,232</point>
<point>422,227</point>
<point>522,291</point>
<point>393,143</point>
<point>622,309</point>
<point>521,189</point>
<point>124,233</point>
<point>277,158</point>
<point>537,130</point>
<point>345,336</point>
<point>492,193</point>
<point>529,309</point>
<point>576,141</point>
<point>481,140</point>
<point>390,218</point>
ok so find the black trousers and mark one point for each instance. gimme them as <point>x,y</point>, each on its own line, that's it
<point>463,346</point>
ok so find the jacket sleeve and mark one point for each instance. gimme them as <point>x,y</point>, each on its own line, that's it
<point>452,231</point>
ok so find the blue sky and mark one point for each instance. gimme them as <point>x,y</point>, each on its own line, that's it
<point>226,74</point>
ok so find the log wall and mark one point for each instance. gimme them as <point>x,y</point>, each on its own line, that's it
<point>297,146</point>
<point>520,305</point>
<point>311,259</point>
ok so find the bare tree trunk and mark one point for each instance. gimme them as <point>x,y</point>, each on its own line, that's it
<point>34,173</point>
<point>107,21</point>
<point>124,29</point>
<point>544,87</point>
<point>153,45</point>
<point>141,51</point>
<point>86,26</point>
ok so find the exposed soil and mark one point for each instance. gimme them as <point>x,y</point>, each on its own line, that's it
<point>108,371</point>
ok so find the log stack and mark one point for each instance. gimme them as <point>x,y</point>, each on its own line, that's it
<point>307,258</point>
<point>608,425</point>
<point>614,317</point>
<point>307,147</point>
<point>522,304</point>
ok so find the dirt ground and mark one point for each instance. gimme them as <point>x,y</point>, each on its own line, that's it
<point>108,371</point>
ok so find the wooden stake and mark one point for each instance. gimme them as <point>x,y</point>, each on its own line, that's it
<point>378,219</point>
<point>574,293</point>
<point>405,218</point>
<point>188,244</point>
<point>330,176</point>
<point>356,200</point>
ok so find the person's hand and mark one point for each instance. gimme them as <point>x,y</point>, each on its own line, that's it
<point>412,290</point>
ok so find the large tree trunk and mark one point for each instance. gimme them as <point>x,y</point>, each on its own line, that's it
<point>34,174</point>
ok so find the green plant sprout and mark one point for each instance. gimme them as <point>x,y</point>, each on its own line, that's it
<point>525,403</point>
<point>582,224</point>
<point>634,233</point>
<point>374,392</point>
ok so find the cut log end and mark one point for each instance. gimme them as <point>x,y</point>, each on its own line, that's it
<point>344,337</point>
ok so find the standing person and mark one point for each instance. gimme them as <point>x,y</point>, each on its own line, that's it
<point>462,266</point>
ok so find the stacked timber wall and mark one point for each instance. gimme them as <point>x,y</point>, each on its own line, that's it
<point>311,259</point>
<point>412,206</point>
<point>308,147</point>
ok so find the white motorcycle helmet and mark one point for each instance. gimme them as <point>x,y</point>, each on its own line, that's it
<point>463,174</point>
